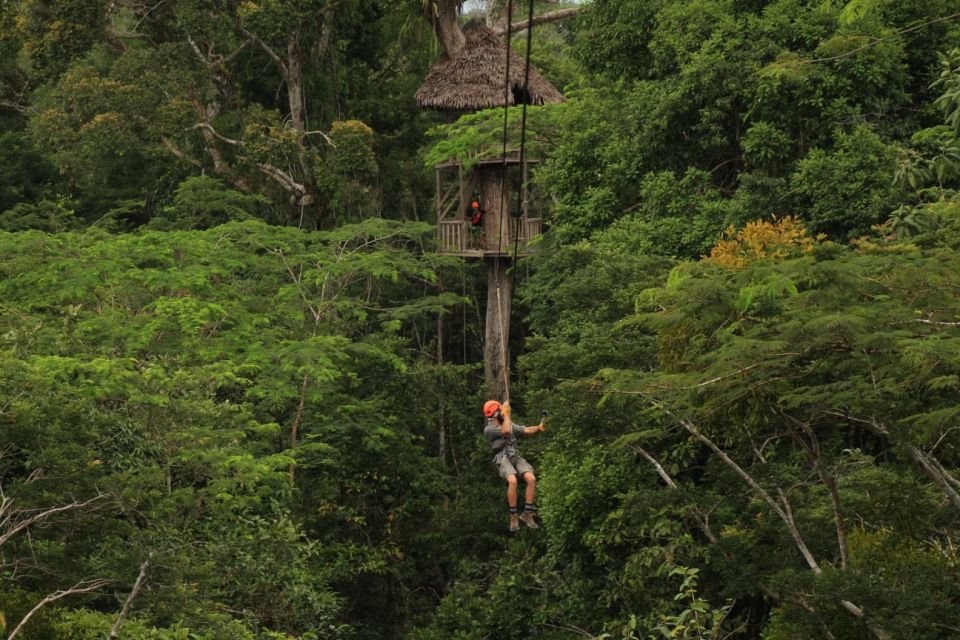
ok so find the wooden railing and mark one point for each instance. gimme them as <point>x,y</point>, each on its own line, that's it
<point>450,236</point>
<point>460,237</point>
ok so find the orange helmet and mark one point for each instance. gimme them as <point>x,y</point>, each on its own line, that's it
<point>490,407</point>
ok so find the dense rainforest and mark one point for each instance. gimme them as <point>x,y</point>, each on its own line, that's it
<point>240,393</point>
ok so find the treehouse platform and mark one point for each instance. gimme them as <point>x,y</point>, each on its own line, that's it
<point>510,223</point>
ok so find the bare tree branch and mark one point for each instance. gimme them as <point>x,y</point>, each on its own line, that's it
<point>700,517</point>
<point>807,439</point>
<point>943,470</point>
<point>930,466</point>
<point>146,14</point>
<point>284,178</point>
<point>552,16</point>
<point>936,323</point>
<point>137,587</point>
<point>13,522</point>
<point>84,586</point>
<point>16,106</point>
<point>778,508</point>
<point>208,127</point>
<point>935,471</point>
<point>656,465</point>
<point>787,516</point>
<point>322,135</point>
<point>175,150</point>
<point>277,60</point>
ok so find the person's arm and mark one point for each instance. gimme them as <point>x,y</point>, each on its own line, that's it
<point>521,430</point>
<point>529,431</point>
<point>507,426</point>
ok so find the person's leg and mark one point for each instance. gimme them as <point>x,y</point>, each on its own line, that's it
<point>512,492</point>
<point>531,492</point>
<point>509,474</point>
<point>529,507</point>
<point>512,502</point>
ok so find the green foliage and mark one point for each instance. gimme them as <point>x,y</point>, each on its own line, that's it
<point>166,370</point>
<point>202,202</point>
<point>833,349</point>
<point>272,417</point>
<point>127,101</point>
<point>949,100</point>
<point>480,135</point>
<point>764,145</point>
<point>845,192</point>
<point>43,215</point>
<point>789,108</point>
<point>23,171</point>
<point>349,170</point>
<point>55,33</point>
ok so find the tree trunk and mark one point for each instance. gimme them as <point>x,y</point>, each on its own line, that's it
<point>296,97</point>
<point>496,354</point>
<point>444,15</point>
<point>496,202</point>
<point>298,111</point>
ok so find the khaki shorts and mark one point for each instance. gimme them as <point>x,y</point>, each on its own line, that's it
<point>518,466</point>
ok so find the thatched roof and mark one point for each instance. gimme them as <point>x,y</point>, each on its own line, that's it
<point>474,78</point>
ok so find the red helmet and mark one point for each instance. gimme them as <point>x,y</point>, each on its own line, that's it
<point>490,407</point>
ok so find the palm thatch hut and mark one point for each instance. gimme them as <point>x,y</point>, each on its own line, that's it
<point>474,78</point>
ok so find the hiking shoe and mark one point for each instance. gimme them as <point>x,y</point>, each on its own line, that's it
<point>529,519</point>
<point>514,522</point>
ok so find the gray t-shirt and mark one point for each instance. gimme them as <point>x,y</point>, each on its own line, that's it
<point>502,444</point>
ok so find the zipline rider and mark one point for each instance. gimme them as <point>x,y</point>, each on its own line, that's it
<point>502,434</point>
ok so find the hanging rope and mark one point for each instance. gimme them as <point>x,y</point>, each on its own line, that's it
<point>506,125</point>
<point>503,201</point>
<point>521,191</point>
<point>521,200</point>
